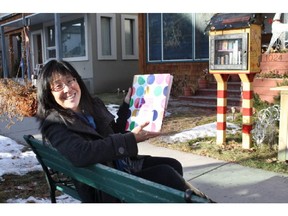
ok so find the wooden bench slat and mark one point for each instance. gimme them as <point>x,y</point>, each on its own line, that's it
<point>68,190</point>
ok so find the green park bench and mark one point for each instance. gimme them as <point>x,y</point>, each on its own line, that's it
<point>59,173</point>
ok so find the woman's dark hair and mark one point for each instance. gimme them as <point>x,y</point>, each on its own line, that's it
<point>46,101</point>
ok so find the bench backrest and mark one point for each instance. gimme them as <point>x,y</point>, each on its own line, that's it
<point>124,186</point>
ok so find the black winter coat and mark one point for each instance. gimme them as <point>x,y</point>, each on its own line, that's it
<point>83,145</point>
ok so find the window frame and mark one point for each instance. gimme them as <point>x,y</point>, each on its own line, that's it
<point>125,17</point>
<point>194,46</point>
<point>85,57</point>
<point>64,20</point>
<point>46,38</point>
<point>113,44</point>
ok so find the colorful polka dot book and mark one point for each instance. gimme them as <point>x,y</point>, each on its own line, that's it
<point>149,100</point>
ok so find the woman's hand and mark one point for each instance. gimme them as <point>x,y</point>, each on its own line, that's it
<point>128,96</point>
<point>142,135</point>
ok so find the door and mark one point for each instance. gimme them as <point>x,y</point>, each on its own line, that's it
<point>37,50</point>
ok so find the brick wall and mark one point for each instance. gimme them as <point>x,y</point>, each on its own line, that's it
<point>184,74</point>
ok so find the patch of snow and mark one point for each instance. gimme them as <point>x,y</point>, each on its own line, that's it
<point>60,199</point>
<point>14,161</point>
<point>207,130</point>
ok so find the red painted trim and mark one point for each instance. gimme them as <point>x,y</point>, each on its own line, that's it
<point>221,93</point>
<point>221,125</point>
<point>247,111</point>
<point>247,95</point>
<point>246,129</point>
<point>221,109</point>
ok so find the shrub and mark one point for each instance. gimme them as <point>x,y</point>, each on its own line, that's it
<point>17,100</point>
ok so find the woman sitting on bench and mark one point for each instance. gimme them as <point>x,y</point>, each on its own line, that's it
<point>81,128</point>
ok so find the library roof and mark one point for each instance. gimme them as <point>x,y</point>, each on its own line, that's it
<point>221,21</point>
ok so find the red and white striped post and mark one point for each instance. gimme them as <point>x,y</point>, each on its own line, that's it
<point>221,107</point>
<point>247,109</point>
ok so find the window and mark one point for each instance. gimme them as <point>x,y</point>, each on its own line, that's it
<point>177,37</point>
<point>201,40</point>
<point>51,48</point>
<point>106,36</point>
<point>73,40</point>
<point>129,33</point>
<point>154,37</point>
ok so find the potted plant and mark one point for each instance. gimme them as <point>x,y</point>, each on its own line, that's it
<point>187,91</point>
<point>203,79</point>
<point>186,88</point>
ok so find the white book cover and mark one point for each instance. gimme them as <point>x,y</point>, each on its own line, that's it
<point>149,100</point>
<point>235,52</point>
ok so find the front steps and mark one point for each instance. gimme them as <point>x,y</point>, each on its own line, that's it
<point>207,98</point>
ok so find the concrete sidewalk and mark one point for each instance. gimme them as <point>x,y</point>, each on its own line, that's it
<point>222,181</point>
<point>226,182</point>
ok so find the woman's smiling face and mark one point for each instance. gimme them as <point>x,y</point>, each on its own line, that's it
<point>66,91</point>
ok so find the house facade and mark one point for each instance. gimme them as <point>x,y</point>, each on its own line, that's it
<point>177,43</point>
<point>102,47</point>
<point>108,49</point>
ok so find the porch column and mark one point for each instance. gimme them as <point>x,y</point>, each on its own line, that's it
<point>4,59</point>
<point>221,107</point>
<point>247,109</point>
<point>58,44</point>
<point>26,36</point>
<point>283,123</point>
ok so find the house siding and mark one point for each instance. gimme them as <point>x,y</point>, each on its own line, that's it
<point>99,75</point>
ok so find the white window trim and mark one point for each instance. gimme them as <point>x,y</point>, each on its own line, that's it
<point>135,36</point>
<point>46,47</point>
<point>81,58</point>
<point>65,19</point>
<point>32,46</point>
<point>113,55</point>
